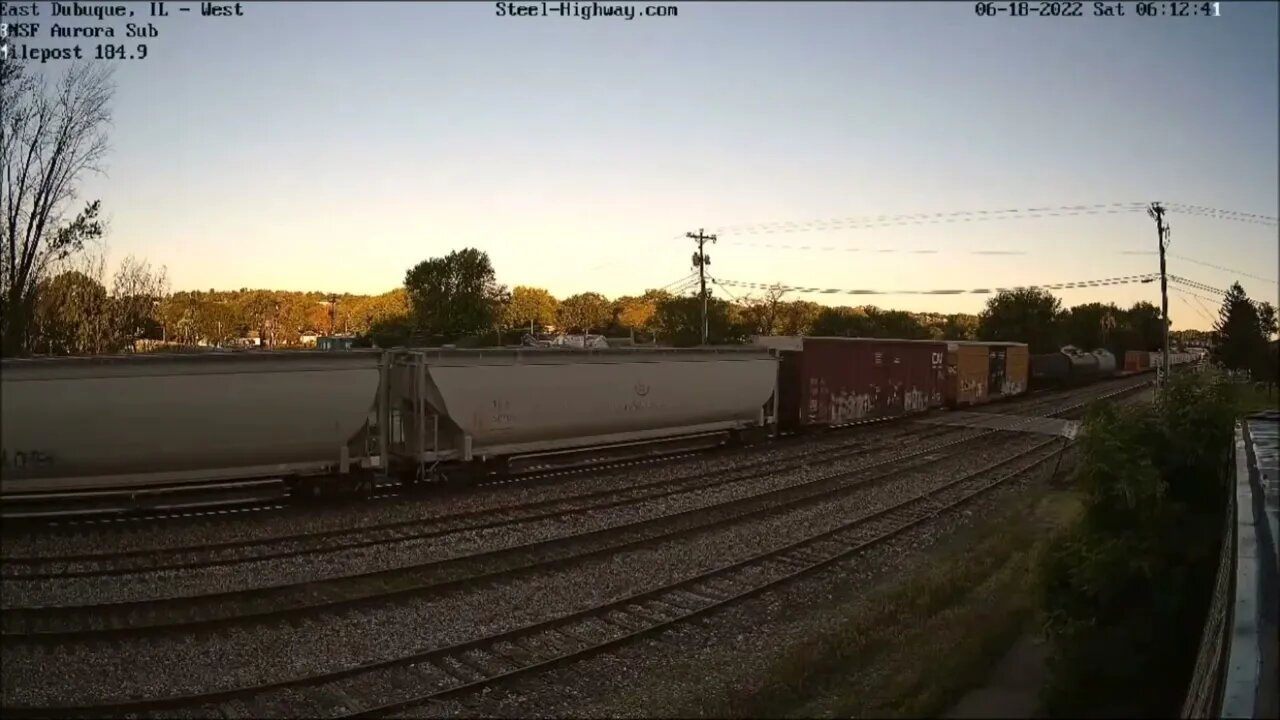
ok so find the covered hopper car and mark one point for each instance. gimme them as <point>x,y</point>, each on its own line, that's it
<point>316,418</point>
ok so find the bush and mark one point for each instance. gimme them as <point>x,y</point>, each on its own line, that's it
<point>1125,594</point>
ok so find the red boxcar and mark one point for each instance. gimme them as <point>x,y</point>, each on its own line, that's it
<point>838,381</point>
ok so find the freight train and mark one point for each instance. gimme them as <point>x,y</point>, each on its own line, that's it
<point>338,421</point>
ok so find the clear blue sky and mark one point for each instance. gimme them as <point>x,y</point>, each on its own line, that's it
<point>329,146</point>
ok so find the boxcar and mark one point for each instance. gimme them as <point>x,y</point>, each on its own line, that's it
<point>978,372</point>
<point>1137,361</point>
<point>840,381</point>
<point>968,373</point>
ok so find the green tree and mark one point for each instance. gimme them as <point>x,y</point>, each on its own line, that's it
<point>1091,325</point>
<point>1238,340</point>
<point>798,317</point>
<point>678,321</point>
<point>136,293</point>
<point>960,326</point>
<point>1267,319</point>
<point>530,306</point>
<point>585,312</point>
<point>842,322</point>
<point>70,316</point>
<point>1027,315</point>
<point>48,142</point>
<point>1125,594</point>
<point>455,295</point>
<point>763,315</point>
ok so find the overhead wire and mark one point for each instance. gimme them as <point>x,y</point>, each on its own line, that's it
<point>878,221</point>
<point>1123,280</point>
<point>1236,216</point>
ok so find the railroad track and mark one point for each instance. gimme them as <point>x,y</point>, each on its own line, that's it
<point>534,472</point>
<point>378,688</point>
<point>418,528</point>
<point>210,611</point>
<point>232,608</point>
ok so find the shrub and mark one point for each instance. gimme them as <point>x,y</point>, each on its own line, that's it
<point>1126,592</point>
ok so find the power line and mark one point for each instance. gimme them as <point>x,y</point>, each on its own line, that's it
<point>884,251</point>
<point>1124,280</point>
<point>930,218</point>
<point>1196,308</point>
<point>1224,269</point>
<point>1194,295</point>
<point>681,281</point>
<point>1186,209</point>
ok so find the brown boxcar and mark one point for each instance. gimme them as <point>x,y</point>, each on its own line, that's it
<point>838,381</point>
<point>1137,361</point>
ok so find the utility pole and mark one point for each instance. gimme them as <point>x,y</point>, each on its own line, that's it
<point>1162,236</point>
<point>701,261</point>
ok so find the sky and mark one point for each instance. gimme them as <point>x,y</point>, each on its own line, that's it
<point>331,146</point>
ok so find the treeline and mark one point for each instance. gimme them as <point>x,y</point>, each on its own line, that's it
<point>457,299</point>
<point>1126,593</point>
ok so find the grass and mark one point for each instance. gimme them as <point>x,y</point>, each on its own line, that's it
<point>920,644</point>
<point>1255,397</point>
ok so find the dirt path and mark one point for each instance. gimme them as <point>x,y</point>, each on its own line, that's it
<point>1013,689</point>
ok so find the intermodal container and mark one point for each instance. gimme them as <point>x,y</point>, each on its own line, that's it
<point>839,381</point>
<point>968,365</point>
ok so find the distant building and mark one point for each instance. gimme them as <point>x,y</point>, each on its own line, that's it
<point>335,342</point>
<point>308,339</point>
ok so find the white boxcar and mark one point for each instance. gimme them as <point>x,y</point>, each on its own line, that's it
<point>456,405</point>
<point>73,424</point>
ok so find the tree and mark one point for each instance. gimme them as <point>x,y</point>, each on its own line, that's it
<point>679,322</point>
<point>1238,336</point>
<point>798,317</point>
<point>585,312</point>
<point>1141,329</point>
<point>1267,319</point>
<point>1027,315</point>
<point>70,309</point>
<point>455,295</point>
<point>1091,325</point>
<point>959,326</point>
<point>1126,591</point>
<point>763,316</point>
<point>136,292</point>
<point>530,306</point>
<point>48,142</point>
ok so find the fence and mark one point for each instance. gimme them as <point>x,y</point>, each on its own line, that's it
<point>1236,671</point>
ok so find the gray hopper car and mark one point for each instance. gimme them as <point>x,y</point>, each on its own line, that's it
<point>321,419</point>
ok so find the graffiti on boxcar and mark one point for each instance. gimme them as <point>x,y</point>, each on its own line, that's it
<point>25,459</point>
<point>1012,387</point>
<point>971,386</point>
<point>848,406</point>
<point>915,401</point>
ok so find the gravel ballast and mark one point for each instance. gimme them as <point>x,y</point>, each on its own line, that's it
<point>184,663</point>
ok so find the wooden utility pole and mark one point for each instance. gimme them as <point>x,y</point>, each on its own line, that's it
<point>701,260</point>
<point>1162,237</point>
